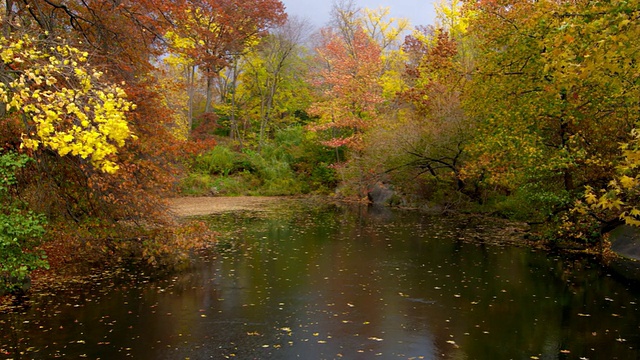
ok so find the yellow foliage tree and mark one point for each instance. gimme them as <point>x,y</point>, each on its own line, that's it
<point>622,195</point>
<point>61,102</point>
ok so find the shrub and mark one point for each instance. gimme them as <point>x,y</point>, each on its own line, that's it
<point>20,234</point>
<point>292,163</point>
<point>20,231</point>
<point>197,184</point>
<point>219,161</point>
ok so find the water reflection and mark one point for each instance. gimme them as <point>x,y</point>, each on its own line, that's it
<point>336,283</point>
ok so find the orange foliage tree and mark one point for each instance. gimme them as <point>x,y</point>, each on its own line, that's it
<point>346,78</point>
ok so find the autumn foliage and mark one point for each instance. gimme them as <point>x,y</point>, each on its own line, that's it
<point>79,95</point>
<point>348,86</point>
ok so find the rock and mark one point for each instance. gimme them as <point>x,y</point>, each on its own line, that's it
<point>625,241</point>
<point>380,194</point>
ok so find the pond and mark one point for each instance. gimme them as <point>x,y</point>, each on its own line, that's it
<point>331,282</point>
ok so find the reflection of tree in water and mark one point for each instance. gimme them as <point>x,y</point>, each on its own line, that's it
<point>407,286</point>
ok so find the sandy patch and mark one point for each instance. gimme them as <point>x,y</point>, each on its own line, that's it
<point>197,206</point>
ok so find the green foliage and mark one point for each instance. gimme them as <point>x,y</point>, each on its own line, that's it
<point>20,232</point>
<point>311,160</point>
<point>9,164</point>
<point>293,163</point>
<point>19,235</point>
<point>274,169</point>
<point>219,161</point>
<point>197,184</point>
<point>531,202</point>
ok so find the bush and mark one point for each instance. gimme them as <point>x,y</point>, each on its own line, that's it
<point>219,161</point>
<point>244,183</point>
<point>20,231</point>
<point>293,163</point>
<point>532,203</point>
<point>197,184</point>
<point>19,236</point>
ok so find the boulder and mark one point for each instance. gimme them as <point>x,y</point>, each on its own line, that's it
<point>380,194</point>
<point>625,241</point>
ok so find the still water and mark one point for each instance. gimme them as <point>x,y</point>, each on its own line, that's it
<point>310,282</point>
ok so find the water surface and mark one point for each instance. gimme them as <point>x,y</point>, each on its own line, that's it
<point>330,282</point>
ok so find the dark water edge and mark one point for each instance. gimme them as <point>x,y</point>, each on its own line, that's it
<point>331,282</point>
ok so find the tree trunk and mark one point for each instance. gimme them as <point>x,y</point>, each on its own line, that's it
<point>565,136</point>
<point>267,105</point>
<point>234,130</point>
<point>207,106</point>
<point>191,70</point>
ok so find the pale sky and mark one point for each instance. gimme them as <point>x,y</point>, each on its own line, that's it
<point>419,12</point>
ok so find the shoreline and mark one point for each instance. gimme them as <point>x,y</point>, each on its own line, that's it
<point>207,205</point>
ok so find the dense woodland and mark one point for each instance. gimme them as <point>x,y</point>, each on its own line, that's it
<point>523,109</point>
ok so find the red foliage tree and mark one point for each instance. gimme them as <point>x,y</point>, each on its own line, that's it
<point>347,78</point>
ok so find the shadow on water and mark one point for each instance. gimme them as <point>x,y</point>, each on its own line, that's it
<point>333,282</point>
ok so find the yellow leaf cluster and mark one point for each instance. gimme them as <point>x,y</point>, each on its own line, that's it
<point>66,108</point>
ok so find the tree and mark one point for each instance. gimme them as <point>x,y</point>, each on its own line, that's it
<point>212,32</point>
<point>420,143</point>
<point>347,79</point>
<point>70,73</point>
<point>439,131</point>
<point>271,66</point>
<point>554,95</point>
<point>185,76</point>
<point>386,31</point>
<point>358,75</point>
